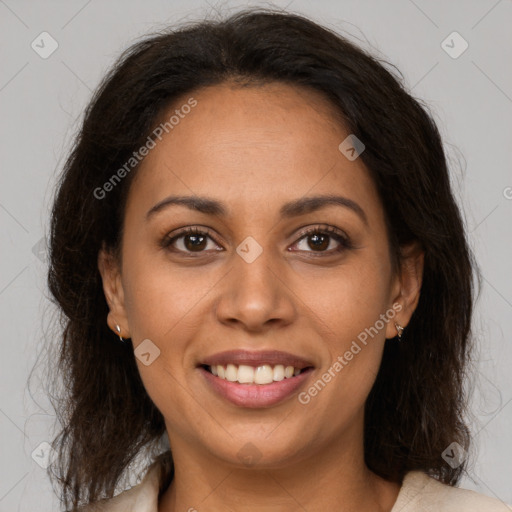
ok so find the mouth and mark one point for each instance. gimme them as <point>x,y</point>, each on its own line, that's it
<point>262,375</point>
<point>255,379</point>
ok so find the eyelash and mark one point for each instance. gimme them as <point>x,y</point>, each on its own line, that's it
<point>339,236</point>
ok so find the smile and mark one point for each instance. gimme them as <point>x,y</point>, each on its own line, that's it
<point>255,379</point>
<point>245,374</point>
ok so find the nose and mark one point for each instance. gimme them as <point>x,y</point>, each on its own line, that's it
<point>255,296</point>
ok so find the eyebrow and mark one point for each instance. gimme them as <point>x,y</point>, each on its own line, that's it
<point>291,209</point>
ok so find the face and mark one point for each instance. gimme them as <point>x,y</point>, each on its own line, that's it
<point>267,279</point>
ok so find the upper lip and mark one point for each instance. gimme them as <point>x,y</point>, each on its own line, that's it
<point>257,358</point>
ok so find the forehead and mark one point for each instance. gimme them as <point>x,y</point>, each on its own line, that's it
<point>251,145</point>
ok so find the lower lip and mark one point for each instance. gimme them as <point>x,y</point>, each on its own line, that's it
<point>255,395</point>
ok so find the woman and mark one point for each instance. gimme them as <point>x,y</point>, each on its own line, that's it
<point>259,259</point>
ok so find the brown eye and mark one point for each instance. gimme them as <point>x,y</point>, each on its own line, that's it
<point>319,240</point>
<point>194,242</point>
<point>191,240</point>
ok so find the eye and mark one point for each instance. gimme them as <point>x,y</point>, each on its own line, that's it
<point>320,239</point>
<point>189,240</point>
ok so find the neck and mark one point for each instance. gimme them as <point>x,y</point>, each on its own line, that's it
<point>333,479</point>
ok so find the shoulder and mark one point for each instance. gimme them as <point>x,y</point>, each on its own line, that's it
<point>422,493</point>
<point>142,497</point>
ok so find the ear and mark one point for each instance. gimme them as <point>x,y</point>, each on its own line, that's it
<point>114,294</point>
<point>407,287</point>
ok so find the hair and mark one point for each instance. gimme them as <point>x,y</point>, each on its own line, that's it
<point>416,406</point>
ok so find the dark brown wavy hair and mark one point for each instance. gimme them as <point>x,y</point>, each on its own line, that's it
<point>416,407</point>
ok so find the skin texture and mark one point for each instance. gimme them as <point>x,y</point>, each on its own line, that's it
<point>255,148</point>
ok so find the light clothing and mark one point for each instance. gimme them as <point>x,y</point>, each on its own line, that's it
<point>419,493</point>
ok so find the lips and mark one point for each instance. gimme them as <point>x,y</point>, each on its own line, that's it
<point>255,359</point>
<point>255,392</point>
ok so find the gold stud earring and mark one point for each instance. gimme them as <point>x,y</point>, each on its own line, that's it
<point>399,330</point>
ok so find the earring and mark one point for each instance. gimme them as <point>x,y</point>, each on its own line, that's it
<point>399,330</point>
<point>118,329</point>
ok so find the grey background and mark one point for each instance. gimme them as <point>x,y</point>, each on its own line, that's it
<point>41,101</point>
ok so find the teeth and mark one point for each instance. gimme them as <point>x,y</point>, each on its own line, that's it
<point>231,373</point>
<point>264,374</point>
<point>245,374</point>
<point>278,372</point>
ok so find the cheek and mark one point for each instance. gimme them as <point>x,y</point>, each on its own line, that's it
<point>350,297</point>
<point>347,307</point>
<point>159,296</point>
<point>163,305</point>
